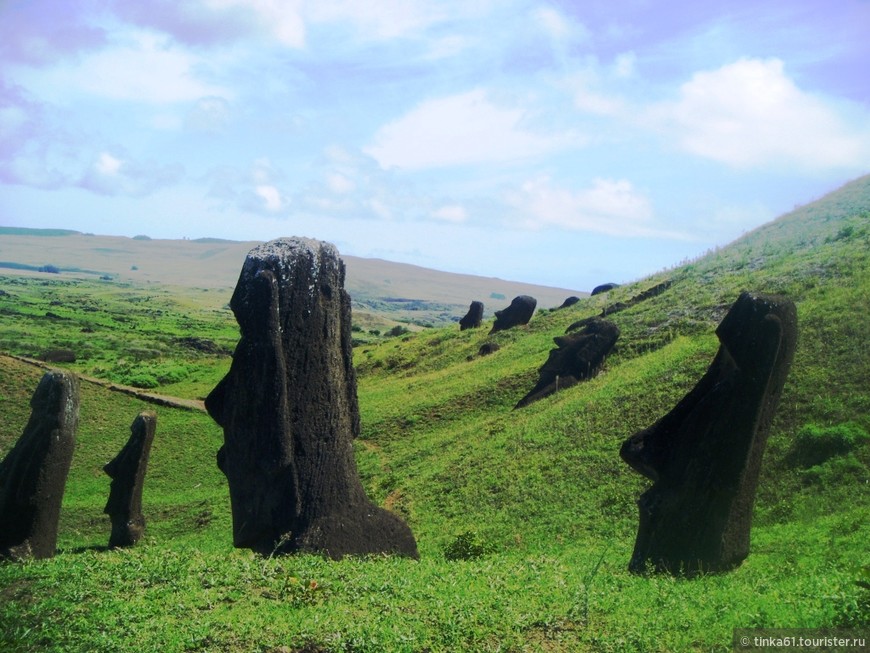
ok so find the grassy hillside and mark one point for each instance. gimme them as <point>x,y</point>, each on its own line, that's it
<point>526,518</point>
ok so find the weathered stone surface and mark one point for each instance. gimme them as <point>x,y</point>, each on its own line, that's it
<point>289,411</point>
<point>604,287</point>
<point>578,357</point>
<point>473,318</point>
<point>33,474</point>
<point>127,471</point>
<point>705,455</point>
<point>519,312</point>
<point>569,301</point>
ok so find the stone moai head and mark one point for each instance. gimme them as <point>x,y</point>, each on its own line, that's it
<point>289,411</point>
<point>704,456</point>
<point>473,317</point>
<point>33,474</point>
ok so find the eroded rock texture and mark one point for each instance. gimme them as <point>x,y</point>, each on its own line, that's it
<point>577,357</point>
<point>519,312</point>
<point>473,318</point>
<point>33,474</point>
<point>127,471</point>
<point>289,411</point>
<point>705,455</point>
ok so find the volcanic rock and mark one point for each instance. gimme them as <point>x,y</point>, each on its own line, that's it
<point>127,471</point>
<point>473,318</point>
<point>33,474</point>
<point>705,455</point>
<point>288,408</point>
<point>519,312</point>
<point>577,357</point>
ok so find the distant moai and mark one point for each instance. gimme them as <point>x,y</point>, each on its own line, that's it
<point>569,301</point>
<point>577,357</point>
<point>473,317</point>
<point>33,474</point>
<point>288,408</point>
<point>127,471</point>
<point>520,311</point>
<point>704,456</point>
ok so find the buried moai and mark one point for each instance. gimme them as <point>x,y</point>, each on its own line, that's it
<point>127,471</point>
<point>518,313</point>
<point>473,318</point>
<point>578,357</point>
<point>704,456</point>
<point>33,474</point>
<point>288,408</point>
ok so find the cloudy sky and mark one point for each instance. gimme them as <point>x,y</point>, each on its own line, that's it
<point>558,142</point>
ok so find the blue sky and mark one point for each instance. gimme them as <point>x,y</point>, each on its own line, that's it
<point>562,143</point>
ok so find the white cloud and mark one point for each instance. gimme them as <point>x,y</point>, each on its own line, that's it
<point>107,164</point>
<point>281,18</point>
<point>209,114</point>
<point>560,29</point>
<point>117,175</point>
<point>624,65</point>
<point>751,114</point>
<point>451,213</point>
<point>381,19</point>
<point>271,196</point>
<point>145,69</point>
<point>461,129</point>
<point>612,207</point>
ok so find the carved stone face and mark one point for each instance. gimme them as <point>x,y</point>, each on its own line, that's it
<point>288,405</point>
<point>705,455</point>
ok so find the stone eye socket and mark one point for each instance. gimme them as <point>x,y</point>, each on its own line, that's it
<point>326,290</point>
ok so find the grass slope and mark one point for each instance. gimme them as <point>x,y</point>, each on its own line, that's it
<point>525,519</point>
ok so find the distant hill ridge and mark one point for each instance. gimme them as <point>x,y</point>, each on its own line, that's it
<point>402,290</point>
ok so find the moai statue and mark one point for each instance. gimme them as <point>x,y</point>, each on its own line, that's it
<point>127,471</point>
<point>289,411</point>
<point>33,474</point>
<point>705,455</point>
<point>473,318</point>
<point>520,311</point>
<point>577,357</point>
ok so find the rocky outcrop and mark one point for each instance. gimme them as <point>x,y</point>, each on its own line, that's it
<point>705,455</point>
<point>127,471</point>
<point>569,301</point>
<point>577,357</point>
<point>288,408</point>
<point>33,474</point>
<point>518,313</point>
<point>473,318</point>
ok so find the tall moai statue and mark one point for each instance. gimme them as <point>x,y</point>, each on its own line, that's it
<point>288,408</point>
<point>127,471</point>
<point>33,474</point>
<point>705,455</point>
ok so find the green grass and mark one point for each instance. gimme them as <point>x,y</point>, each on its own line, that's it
<point>525,519</point>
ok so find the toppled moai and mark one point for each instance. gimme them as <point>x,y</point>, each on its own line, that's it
<point>569,301</point>
<point>127,471</point>
<point>518,313</point>
<point>473,318</point>
<point>704,456</point>
<point>33,474</point>
<point>577,357</point>
<point>288,408</point>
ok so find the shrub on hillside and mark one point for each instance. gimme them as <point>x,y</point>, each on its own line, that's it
<point>814,444</point>
<point>467,546</point>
